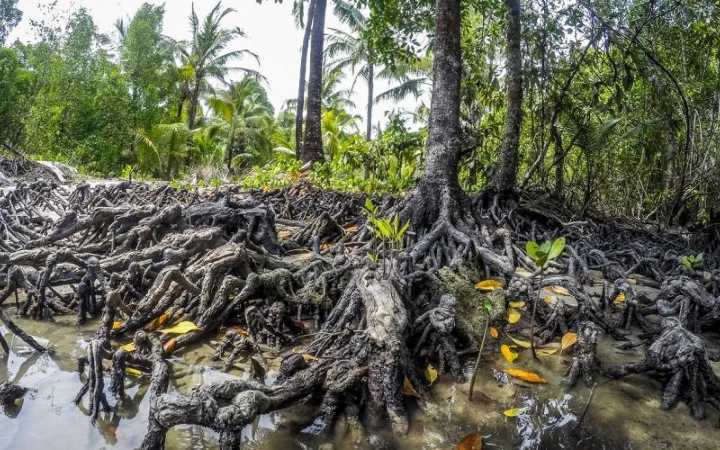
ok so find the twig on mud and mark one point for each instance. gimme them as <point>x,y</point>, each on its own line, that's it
<point>477,361</point>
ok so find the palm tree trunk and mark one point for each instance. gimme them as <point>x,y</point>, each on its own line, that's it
<point>228,150</point>
<point>300,108</point>
<point>312,149</point>
<point>509,155</point>
<point>371,100</point>
<point>194,99</point>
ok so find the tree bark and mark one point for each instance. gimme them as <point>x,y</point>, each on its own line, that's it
<point>509,155</point>
<point>312,148</point>
<point>442,153</point>
<point>194,99</point>
<point>370,100</point>
<point>438,192</point>
<point>300,108</point>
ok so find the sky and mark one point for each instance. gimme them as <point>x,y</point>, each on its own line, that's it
<point>271,30</point>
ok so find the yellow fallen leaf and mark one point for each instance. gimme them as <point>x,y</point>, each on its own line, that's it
<point>559,290</point>
<point>471,442</point>
<point>530,377</point>
<point>522,343</point>
<point>619,299</point>
<point>508,354</point>
<point>431,373</point>
<point>522,272</point>
<point>494,332</point>
<point>514,412</point>
<point>133,372</point>
<point>183,327</point>
<point>408,388</point>
<point>517,304</point>
<point>546,351</point>
<point>117,325</point>
<point>309,358</point>
<point>550,299</point>
<point>568,340</point>
<point>128,347</point>
<point>513,316</point>
<point>325,246</point>
<point>488,285</point>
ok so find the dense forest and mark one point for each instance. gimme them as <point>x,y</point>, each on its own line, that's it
<point>610,106</point>
<point>539,207</point>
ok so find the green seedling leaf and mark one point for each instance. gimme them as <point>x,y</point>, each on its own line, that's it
<point>556,248</point>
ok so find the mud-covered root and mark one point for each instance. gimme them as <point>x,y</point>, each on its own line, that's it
<point>447,231</point>
<point>678,358</point>
<point>10,397</point>
<point>585,363</point>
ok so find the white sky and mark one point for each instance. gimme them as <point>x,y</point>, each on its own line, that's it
<point>271,34</point>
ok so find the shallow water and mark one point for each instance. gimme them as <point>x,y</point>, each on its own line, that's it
<point>623,414</point>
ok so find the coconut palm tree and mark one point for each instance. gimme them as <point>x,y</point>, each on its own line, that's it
<point>246,117</point>
<point>162,147</point>
<point>207,56</point>
<point>349,50</point>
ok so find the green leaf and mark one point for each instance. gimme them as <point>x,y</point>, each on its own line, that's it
<point>557,248</point>
<point>369,206</point>
<point>487,304</point>
<point>545,247</point>
<point>531,247</point>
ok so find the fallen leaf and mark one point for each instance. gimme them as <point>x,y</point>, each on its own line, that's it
<point>352,228</point>
<point>431,373</point>
<point>508,354</point>
<point>309,358</point>
<point>550,299</point>
<point>520,342</point>
<point>239,330</point>
<point>325,246</point>
<point>517,304</point>
<point>619,299</point>
<point>133,372</point>
<point>169,346</point>
<point>530,377</point>
<point>117,325</point>
<point>488,285</point>
<point>558,290</point>
<point>546,351</point>
<point>408,389</point>
<point>494,332</point>
<point>513,316</point>
<point>514,412</point>
<point>568,340</point>
<point>183,327</point>
<point>130,347</point>
<point>157,322</point>
<point>522,272</point>
<point>471,442</point>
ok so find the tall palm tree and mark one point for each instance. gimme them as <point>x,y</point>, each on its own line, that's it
<point>351,50</point>
<point>246,117</point>
<point>207,55</point>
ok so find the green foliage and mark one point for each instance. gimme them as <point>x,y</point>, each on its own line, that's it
<point>692,262</point>
<point>15,90</point>
<point>542,254</point>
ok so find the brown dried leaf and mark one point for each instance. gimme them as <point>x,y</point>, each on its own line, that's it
<point>471,442</point>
